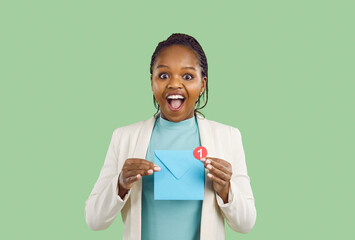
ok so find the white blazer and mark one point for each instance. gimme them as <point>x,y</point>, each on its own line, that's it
<point>221,141</point>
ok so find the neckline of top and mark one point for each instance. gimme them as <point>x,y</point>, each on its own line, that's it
<point>190,122</point>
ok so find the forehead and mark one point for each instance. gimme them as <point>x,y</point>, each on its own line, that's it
<point>177,54</point>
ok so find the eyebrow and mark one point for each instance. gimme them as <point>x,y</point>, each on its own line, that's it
<point>160,66</point>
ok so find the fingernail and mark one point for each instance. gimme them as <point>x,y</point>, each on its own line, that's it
<point>209,174</point>
<point>150,171</point>
<point>203,159</point>
<point>208,161</point>
<point>156,168</point>
<point>209,166</point>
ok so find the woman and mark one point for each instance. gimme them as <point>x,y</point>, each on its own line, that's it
<point>126,184</point>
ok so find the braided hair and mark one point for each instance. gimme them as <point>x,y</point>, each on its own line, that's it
<point>191,42</point>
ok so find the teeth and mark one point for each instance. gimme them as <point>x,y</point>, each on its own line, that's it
<point>175,97</point>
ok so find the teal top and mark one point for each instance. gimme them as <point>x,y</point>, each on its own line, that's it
<point>170,219</point>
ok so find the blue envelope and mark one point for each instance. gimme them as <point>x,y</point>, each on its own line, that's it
<point>182,176</point>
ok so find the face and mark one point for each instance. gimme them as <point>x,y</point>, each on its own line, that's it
<point>177,82</point>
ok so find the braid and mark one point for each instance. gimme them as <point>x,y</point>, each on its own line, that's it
<point>192,43</point>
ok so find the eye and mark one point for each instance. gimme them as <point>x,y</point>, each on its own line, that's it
<point>188,77</point>
<point>163,76</point>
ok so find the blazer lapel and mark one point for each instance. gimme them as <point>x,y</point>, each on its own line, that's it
<point>140,151</point>
<point>205,135</point>
<point>144,135</point>
<point>206,231</point>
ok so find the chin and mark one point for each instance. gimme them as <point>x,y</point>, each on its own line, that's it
<point>177,116</point>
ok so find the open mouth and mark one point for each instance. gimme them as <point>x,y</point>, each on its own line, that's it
<point>175,102</point>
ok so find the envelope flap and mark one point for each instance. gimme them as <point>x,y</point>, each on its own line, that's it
<point>178,162</point>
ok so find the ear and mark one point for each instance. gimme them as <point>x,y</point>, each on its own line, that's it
<point>204,81</point>
<point>151,81</point>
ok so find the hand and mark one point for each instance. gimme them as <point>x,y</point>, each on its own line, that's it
<point>220,172</point>
<point>132,170</point>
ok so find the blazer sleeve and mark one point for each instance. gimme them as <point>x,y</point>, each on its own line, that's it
<point>239,211</point>
<point>104,203</point>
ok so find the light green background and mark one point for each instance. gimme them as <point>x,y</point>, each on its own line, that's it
<point>281,71</point>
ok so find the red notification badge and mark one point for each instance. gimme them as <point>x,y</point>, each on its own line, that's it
<point>200,152</point>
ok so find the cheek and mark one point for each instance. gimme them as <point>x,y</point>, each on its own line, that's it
<point>196,90</point>
<point>155,87</point>
<point>157,91</point>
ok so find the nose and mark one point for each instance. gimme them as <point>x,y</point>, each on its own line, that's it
<point>175,82</point>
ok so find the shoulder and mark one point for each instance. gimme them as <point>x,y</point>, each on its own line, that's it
<point>133,127</point>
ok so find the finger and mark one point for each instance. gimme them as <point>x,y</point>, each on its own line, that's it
<point>141,172</point>
<point>221,161</point>
<point>131,180</point>
<point>218,173</point>
<point>227,170</point>
<point>141,165</point>
<point>215,164</point>
<point>144,166</point>
<point>156,169</point>
<point>140,161</point>
<point>216,179</point>
<point>137,166</point>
